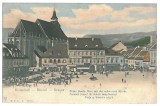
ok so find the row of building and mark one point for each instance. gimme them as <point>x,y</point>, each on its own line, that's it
<point>44,44</point>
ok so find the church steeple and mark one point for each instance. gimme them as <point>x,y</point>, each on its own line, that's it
<point>54,16</point>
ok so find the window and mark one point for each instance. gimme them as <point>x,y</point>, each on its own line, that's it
<point>45,61</point>
<point>59,60</point>
<point>78,53</point>
<point>64,60</point>
<point>86,53</point>
<point>70,60</point>
<point>78,60</point>
<point>111,60</point>
<point>54,60</point>
<point>50,60</point>
<point>97,60</point>
<point>82,60</point>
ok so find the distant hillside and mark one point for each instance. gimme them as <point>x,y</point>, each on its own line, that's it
<point>110,39</point>
<point>5,32</point>
<point>141,42</point>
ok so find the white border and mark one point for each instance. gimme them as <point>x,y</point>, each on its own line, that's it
<point>83,1</point>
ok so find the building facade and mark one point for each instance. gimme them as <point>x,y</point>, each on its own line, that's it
<point>54,57</point>
<point>28,35</point>
<point>14,62</point>
<point>114,61</point>
<point>153,57</point>
<point>86,54</point>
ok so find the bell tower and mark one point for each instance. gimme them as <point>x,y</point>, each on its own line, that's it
<point>54,16</point>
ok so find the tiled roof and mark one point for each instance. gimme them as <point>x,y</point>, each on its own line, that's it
<point>145,55</point>
<point>136,51</point>
<point>27,27</point>
<point>85,44</point>
<point>57,51</point>
<point>128,52</point>
<point>51,29</point>
<point>31,28</point>
<point>40,28</point>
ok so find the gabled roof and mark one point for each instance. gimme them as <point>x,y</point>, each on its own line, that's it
<point>27,28</point>
<point>51,29</point>
<point>58,51</point>
<point>85,44</point>
<point>32,28</point>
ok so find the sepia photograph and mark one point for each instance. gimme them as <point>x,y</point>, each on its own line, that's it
<point>79,53</point>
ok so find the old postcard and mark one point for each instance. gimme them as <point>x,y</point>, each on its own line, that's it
<point>79,53</point>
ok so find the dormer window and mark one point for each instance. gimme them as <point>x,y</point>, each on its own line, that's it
<point>96,45</point>
<point>86,45</point>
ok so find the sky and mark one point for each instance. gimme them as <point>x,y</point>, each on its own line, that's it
<point>79,19</point>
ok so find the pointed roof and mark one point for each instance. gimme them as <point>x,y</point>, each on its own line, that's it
<point>54,16</point>
<point>51,30</point>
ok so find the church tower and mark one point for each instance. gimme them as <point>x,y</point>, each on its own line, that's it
<point>54,16</point>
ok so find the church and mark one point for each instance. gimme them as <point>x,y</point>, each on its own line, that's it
<point>44,44</point>
<point>29,36</point>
